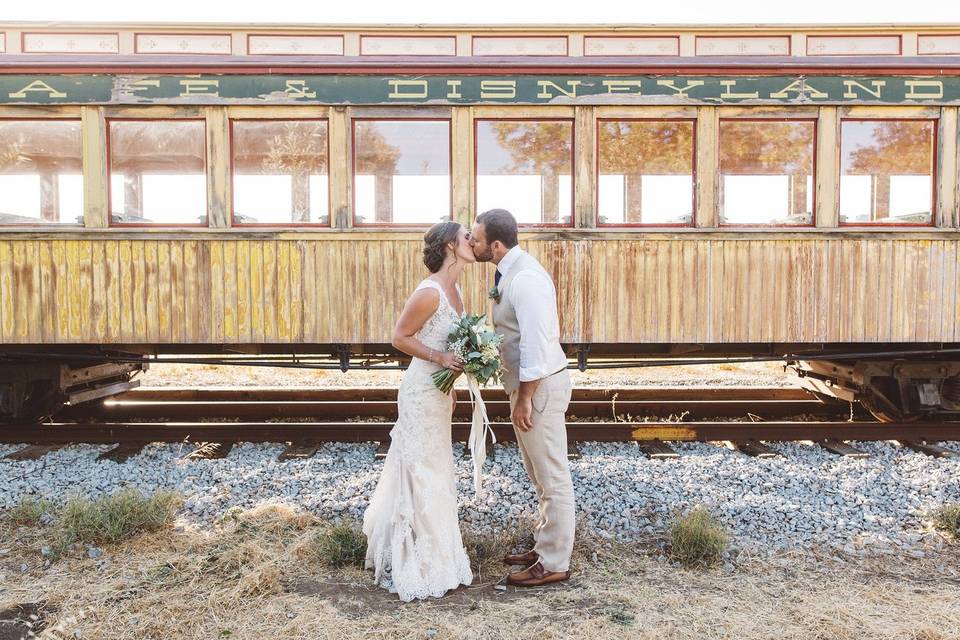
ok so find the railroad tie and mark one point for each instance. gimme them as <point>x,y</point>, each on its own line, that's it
<point>122,452</point>
<point>33,452</point>
<point>842,448</point>
<point>299,451</point>
<point>922,446</point>
<point>755,448</point>
<point>657,450</point>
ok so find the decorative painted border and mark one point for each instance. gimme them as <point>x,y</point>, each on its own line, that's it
<point>520,44</point>
<point>826,40</point>
<point>594,45</point>
<point>187,43</point>
<point>69,42</point>
<point>934,44</point>
<point>742,45</point>
<point>282,44</point>
<point>404,45</point>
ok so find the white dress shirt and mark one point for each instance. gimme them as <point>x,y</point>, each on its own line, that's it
<point>534,300</point>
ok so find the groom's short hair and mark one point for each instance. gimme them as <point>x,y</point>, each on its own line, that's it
<point>499,224</point>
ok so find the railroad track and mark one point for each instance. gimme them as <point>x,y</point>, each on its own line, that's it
<point>306,418</point>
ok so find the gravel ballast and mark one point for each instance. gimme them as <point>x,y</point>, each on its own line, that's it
<point>806,499</point>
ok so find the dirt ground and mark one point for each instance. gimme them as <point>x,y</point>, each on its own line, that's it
<point>256,578</point>
<point>766,374</point>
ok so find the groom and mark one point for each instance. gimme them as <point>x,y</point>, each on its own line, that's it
<point>525,313</point>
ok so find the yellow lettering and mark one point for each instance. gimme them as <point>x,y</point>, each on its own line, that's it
<point>929,89</point>
<point>682,91</point>
<point>727,93</point>
<point>802,89</point>
<point>195,87</point>
<point>453,87</point>
<point>407,88</point>
<point>38,86</point>
<point>143,85</point>
<point>614,86</point>
<point>546,84</point>
<point>850,85</point>
<point>504,89</point>
<point>298,89</point>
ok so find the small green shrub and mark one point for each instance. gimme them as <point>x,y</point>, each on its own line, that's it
<point>947,518</point>
<point>697,539</point>
<point>342,545</point>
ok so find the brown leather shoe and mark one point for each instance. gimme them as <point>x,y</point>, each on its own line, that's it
<point>524,559</point>
<point>535,576</point>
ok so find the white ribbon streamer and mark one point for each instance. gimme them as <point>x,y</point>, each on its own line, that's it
<point>478,431</point>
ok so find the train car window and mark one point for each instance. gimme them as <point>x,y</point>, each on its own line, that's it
<point>41,168</point>
<point>526,167</point>
<point>645,172</point>
<point>766,172</point>
<point>401,171</point>
<point>280,174</point>
<point>157,172</point>
<point>887,171</point>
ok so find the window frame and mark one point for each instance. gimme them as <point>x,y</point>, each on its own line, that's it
<point>108,155</point>
<point>39,224</point>
<point>693,173</point>
<point>768,225</point>
<point>353,172</point>
<point>934,174</point>
<point>314,225</point>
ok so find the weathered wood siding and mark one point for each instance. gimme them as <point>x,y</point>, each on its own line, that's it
<point>610,291</point>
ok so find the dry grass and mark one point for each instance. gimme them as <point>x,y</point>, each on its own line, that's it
<point>947,518</point>
<point>29,511</point>
<point>256,576</point>
<point>697,539</point>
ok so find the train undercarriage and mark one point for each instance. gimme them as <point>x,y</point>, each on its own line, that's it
<point>894,382</point>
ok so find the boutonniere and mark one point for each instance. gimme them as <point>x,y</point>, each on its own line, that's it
<point>494,294</point>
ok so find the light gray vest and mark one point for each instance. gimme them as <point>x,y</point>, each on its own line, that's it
<point>505,322</point>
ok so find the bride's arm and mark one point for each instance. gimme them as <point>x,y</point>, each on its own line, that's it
<point>418,309</point>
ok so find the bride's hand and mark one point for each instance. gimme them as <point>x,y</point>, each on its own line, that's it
<point>450,360</point>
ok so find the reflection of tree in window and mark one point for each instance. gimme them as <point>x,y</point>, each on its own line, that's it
<point>784,149</point>
<point>885,151</point>
<point>378,157</point>
<point>538,148</point>
<point>634,149</point>
<point>297,149</point>
<point>35,157</point>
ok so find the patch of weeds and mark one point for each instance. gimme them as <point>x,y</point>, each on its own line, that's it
<point>117,517</point>
<point>621,616</point>
<point>29,511</point>
<point>697,539</point>
<point>341,545</point>
<point>947,518</point>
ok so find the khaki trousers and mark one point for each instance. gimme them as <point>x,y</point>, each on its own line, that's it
<point>544,452</point>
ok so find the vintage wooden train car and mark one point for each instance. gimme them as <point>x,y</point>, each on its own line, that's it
<point>711,191</point>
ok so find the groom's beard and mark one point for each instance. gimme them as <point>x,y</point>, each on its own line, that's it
<point>485,256</point>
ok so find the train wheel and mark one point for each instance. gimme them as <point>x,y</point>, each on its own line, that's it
<point>885,414</point>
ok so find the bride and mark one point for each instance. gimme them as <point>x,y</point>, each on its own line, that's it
<point>413,531</point>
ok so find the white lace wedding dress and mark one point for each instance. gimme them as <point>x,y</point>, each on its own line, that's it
<point>412,528</point>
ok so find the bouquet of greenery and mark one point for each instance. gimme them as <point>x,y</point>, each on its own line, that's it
<point>478,346</point>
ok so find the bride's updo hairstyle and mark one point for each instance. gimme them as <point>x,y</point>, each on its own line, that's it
<point>435,242</point>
